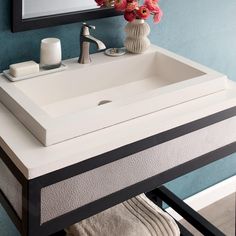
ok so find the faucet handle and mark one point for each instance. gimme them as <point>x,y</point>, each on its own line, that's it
<point>89,26</point>
<point>85,29</point>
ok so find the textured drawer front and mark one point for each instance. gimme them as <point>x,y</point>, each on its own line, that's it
<point>11,188</point>
<point>70,194</point>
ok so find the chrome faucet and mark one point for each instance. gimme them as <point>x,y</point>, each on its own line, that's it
<point>85,40</point>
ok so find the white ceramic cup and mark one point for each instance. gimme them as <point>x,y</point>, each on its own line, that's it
<point>50,53</point>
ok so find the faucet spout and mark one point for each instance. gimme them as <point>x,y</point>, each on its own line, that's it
<point>85,40</point>
<point>99,43</point>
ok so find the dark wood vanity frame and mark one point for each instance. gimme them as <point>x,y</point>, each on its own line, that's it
<point>30,223</point>
<point>20,24</point>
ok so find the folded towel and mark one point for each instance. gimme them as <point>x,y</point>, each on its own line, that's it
<point>136,217</point>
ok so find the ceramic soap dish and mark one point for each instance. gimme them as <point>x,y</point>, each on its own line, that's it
<point>40,73</point>
<point>115,52</point>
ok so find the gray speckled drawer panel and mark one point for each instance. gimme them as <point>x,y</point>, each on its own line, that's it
<point>11,188</point>
<point>70,194</point>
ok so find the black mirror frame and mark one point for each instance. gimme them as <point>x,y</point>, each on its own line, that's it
<point>20,24</point>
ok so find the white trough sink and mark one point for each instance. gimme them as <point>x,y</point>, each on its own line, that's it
<point>86,98</point>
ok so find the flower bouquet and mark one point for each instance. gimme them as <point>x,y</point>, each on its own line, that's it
<point>134,10</point>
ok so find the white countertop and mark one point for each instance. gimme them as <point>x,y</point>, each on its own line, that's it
<point>34,160</point>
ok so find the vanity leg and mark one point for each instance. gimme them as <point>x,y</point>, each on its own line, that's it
<point>31,210</point>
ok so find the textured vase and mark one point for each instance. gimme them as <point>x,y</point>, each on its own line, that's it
<point>136,36</point>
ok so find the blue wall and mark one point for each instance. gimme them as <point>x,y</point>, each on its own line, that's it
<point>204,31</point>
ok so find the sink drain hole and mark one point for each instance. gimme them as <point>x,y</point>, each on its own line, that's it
<point>103,102</point>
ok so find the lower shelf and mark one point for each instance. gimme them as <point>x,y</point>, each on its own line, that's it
<point>162,194</point>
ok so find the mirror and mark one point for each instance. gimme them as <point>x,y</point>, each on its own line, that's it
<point>33,14</point>
<point>36,8</point>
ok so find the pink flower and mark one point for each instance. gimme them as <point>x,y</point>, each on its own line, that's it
<point>158,15</point>
<point>99,2</point>
<point>151,4</point>
<point>143,12</point>
<point>120,5</point>
<point>129,16</point>
<point>131,6</point>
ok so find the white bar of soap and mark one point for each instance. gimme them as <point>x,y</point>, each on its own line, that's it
<point>24,68</point>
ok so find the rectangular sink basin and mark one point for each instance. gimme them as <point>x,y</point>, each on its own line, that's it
<point>86,98</point>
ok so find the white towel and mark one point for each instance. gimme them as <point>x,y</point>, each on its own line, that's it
<point>136,217</point>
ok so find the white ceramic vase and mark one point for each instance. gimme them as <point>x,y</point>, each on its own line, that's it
<point>136,36</point>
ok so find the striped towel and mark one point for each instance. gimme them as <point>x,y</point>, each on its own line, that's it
<point>136,217</point>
